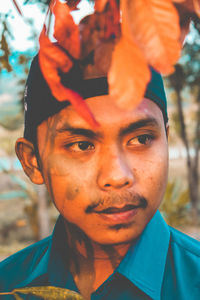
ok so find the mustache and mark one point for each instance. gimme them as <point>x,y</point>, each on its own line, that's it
<point>115,200</point>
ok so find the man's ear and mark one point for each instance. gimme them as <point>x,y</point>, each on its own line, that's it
<point>26,153</point>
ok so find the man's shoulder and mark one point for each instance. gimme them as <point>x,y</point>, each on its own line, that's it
<point>20,265</point>
<point>185,243</point>
<point>186,250</point>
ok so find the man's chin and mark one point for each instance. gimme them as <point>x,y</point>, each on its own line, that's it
<point>122,235</point>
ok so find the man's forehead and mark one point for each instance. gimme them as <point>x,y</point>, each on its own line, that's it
<point>108,115</point>
<point>40,104</point>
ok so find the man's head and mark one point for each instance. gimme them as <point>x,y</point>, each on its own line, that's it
<point>109,181</point>
<point>39,102</point>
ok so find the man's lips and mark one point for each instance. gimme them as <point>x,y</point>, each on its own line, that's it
<point>117,210</point>
<point>117,215</point>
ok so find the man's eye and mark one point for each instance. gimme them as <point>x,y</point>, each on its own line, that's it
<point>144,139</point>
<point>80,146</point>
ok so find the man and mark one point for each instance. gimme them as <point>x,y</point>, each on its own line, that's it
<point>110,241</point>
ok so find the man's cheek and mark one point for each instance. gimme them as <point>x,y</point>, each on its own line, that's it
<point>153,181</point>
<point>72,191</point>
<point>157,182</point>
<point>57,165</point>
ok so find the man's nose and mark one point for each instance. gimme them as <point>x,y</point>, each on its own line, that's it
<point>115,172</point>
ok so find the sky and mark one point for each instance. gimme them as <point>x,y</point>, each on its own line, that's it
<point>19,26</point>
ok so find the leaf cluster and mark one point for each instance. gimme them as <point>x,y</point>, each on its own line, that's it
<point>175,204</point>
<point>4,46</point>
<point>46,2</point>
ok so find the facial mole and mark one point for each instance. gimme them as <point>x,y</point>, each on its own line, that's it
<point>72,192</point>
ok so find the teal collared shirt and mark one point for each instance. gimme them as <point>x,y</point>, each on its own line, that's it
<point>162,264</point>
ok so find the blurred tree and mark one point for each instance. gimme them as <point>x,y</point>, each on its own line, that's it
<point>186,85</point>
<point>11,118</point>
<point>4,43</point>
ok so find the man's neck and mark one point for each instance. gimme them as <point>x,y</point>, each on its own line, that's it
<point>91,263</point>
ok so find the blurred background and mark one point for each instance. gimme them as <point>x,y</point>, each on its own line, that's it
<point>26,212</point>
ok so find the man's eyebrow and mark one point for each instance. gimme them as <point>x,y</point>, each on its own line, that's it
<point>79,131</point>
<point>139,124</point>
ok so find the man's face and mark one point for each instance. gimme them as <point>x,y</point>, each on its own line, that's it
<point>107,181</point>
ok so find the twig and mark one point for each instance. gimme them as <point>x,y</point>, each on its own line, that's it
<point>17,7</point>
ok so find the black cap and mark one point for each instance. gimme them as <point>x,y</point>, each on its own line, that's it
<point>39,103</point>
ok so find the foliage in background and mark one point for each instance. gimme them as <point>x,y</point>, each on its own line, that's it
<point>4,44</point>
<point>26,191</point>
<point>175,205</point>
<point>11,113</point>
<point>185,83</point>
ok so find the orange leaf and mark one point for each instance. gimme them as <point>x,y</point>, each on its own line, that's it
<point>128,75</point>
<point>112,20</point>
<point>100,5</point>
<point>66,31</point>
<point>52,59</point>
<point>190,5</point>
<point>154,25</point>
<point>53,54</point>
<point>108,13</point>
<point>197,7</point>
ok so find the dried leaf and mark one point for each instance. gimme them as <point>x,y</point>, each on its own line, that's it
<point>73,4</point>
<point>52,55</point>
<point>110,17</point>
<point>100,5</point>
<point>187,4</point>
<point>128,75</point>
<point>154,25</point>
<point>66,32</point>
<point>186,11</point>
<point>102,62</point>
<point>88,34</point>
<point>197,7</point>
<point>46,292</point>
<point>53,59</point>
<point>17,297</point>
<point>191,5</point>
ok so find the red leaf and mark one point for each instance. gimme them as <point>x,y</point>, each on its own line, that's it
<point>100,5</point>
<point>53,54</point>
<point>52,59</point>
<point>197,7</point>
<point>128,75</point>
<point>66,31</point>
<point>112,20</point>
<point>154,26</point>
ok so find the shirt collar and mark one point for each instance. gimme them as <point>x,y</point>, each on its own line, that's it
<point>52,260</point>
<point>58,269</point>
<point>144,263</point>
<point>40,270</point>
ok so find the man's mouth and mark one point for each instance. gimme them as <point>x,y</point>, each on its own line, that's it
<point>117,210</point>
<point>118,215</point>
